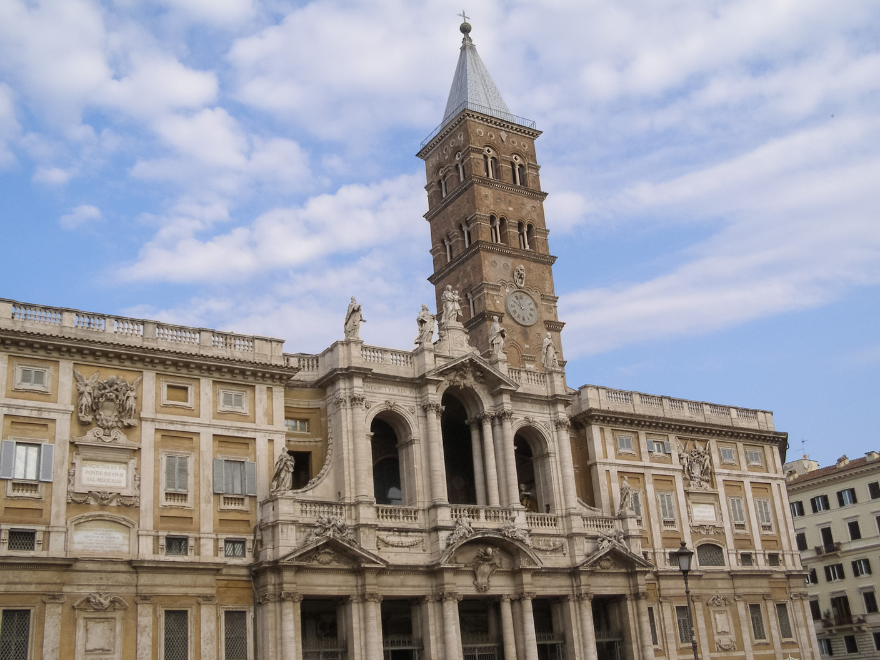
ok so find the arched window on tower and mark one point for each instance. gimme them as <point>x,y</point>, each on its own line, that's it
<point>494,232</point>
<point>523,240</point>
<point>460,169</point>
<point>466,234</point>
<point>442,183</point>
<point>521,175</point>
<point>502,230</point>
<point>493,168</point>
<point>448,246</point>
<point>530,237</point>
<point>470,299</point>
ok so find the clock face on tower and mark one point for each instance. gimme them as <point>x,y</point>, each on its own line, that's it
<point>521,306</point>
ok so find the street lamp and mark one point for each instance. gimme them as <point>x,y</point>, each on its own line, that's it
<point>685,558</point>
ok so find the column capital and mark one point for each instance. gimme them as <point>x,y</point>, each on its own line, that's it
<point>527,595</point>
<point>340,401</point>
<point>444,596</point>
<point>267,598</point>
<point>585,595</point>
<point>357,400</point>
<point>143,600</point>
<point>485,416</point>
<point>504,415</point>
<point>293,596</point>
<point>562,423</point>
<point>356,598</point>
<point>640,595</point>
<point>56,599</point>
<point>433,407</point>
<point>506,598</point>
<point>372,598</point>
<point>473,422</point>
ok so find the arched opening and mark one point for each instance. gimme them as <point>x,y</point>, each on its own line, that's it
<point>387,487</point>
<point>470,299</point>
<point>457,453</point>
<point>442,183</point>
<point>494,231</point>
<point>530,237</point>
<point>466,234</point>
<point>710,554</point>
<point>523,239</point>
<point>447,246</point>
<point>532,472</point>
<point>520,175</point>
<point>460,169</point>
<point>502,230</point>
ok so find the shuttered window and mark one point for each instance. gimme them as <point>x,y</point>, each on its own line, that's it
<point>26,460</point>
<point>667,507</point>
<point>176,473</point>
<point>765,518</point>
<point>232,477</point>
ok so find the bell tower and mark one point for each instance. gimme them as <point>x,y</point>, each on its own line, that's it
<point>486,211</point>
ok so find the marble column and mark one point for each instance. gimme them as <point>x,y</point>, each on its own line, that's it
<point>477,455</point>
<point>646,643</point>
<point>363,460</point>
<point>373,626</point>
<point>530,640</point>
<point>509,458</point>
<point>588,631</point>
<point>144,642</point>
<point>52,626</point>
<point>451,638</point>
<point>208,627</point>
<point>435,452</point>
<point>291,639</point>
<point>492,498</point>
<point>566,464</point>
<point>507,633</point>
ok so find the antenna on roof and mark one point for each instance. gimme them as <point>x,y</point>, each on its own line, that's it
<point>803,450</point>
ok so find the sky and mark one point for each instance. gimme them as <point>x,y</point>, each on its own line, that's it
<point>713,170</point>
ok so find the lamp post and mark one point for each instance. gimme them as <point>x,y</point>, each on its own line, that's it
<point>685,557</point>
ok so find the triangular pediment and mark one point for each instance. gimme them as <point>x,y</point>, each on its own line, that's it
<point>615,556</point>
<point>520,554</point>
<point>473,369</point>
<point>332,551</point>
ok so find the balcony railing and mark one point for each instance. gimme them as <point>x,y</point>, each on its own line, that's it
<point>828,548</point>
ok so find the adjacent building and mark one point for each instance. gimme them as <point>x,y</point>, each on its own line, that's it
<point>177,493</point>
<point>836,513</point>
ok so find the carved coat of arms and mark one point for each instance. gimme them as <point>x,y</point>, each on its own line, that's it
<point>109,403</point>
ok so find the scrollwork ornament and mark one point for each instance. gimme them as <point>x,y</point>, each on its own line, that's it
<point>562,423</point>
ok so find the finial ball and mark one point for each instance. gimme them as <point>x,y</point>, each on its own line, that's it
<point>465,28</point>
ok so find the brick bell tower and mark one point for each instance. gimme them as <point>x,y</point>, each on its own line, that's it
<point>486,211</point>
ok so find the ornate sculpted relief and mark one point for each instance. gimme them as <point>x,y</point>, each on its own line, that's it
<point>485,563</point>
<point>328,526</point>
<point>100,602</point>
<point>697,465</point>
<point>511,531</point>
<point>110,403</point>
<point>463,529</point>
<point>611,537</point>
<point>103,497</point>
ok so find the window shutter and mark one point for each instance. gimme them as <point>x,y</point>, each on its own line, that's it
<point>828,574</point>
<point>227,400</point>
<point>855,500</point>
<point>7,459</point>
<point>47,455</point>
<point>39,377</point>
<point>637,504</point>
<point>840,497</point>
<point>250,478</point>
<point>170,472</point>
<point>218,475</point>
<point>667,447</point>
<point>183,474</point>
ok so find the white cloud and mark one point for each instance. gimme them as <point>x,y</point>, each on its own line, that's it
<point>79,216</point>
<point>224,13</point>
<point>52,176</point>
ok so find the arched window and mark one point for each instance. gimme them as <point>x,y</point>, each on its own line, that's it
<point>530,237</point>
<point>387,487</point>
<point>466,234</point>
<point>490,163</point>
<point>523,241</point>
<point>520,175</point>
<point>495,234</point>
<point>532,472</point>
<point>442,183</point>
<point>448,246</point>
<point>470,300</point>
<point>502,230</point>
<point>457,452</point>
<point>493,168</point>
<point>709,554</point>
<point>460,169</point>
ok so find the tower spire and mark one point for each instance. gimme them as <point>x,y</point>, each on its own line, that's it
<point>472,86</point>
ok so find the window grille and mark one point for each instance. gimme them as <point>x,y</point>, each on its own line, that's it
<point>784,623</point>
<point>773,558</point>
<point>234,548</point>
<point>757,621</point>
<point>653,624</point>
<point>15,630</point>
<point>746,559</point>
<point>683,617</point>
<point>710,554</point>
<point>22,540</point>
<point>176,635</point>
<point>177,546</point>
<point>235,635</point>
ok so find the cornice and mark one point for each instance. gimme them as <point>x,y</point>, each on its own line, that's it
<point>497,248</point>
<point>488,120</point>
<point>594,416</point>
<point>151,358</point>
<point>475,179</point>
<point>36,564</point>
<point>186,568</point>
<point>842,476</point>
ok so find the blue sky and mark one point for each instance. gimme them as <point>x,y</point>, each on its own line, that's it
<point>712,168</point>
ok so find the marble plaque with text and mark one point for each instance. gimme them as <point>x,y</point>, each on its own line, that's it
<point>101,474</point>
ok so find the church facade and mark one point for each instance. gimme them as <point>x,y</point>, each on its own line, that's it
<point>176,493</point>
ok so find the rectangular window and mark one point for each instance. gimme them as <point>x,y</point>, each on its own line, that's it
<point>667,509</point>
<point>176,394</point>
<point>815,610</point>
<point>870,599</point>
<point>850,642</point>
<point>773,558</point>
<point>797,509</point>
<point>727,455</point>
<point>31,378</point>
<point>861,567</point>
<point>854,532</point>
<point>682,616</point>
<point>834,572</point>
<point>757,622</point>
<point>765,518</point>
<point>176,474</point>
<point>625,444</point>
<point>784,623</point>
<point>176,634</point>
<point>297,425</point>
<point>746,559</point>
<point>15,633</point>
<point>234,548</point>
<point>653,625</point>
<point>827,539</point>
<point>235,636</point>
<point>235,477</point>
<point>801,538</point>
<point>812,578</point>
<point>819,503</point>
<point>177,546</point>
<point>825,647</point>
<point>846,497</point>
<point>754,457</point>
<point>637,506</point>
<point>874,490</point>
<point>27,461</point>
<point>22,540</point>
<point>233,401</point>
<point>737,513</point>
<point>877,641</point>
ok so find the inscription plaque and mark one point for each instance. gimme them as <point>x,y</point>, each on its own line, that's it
<point>703,512</point>
<point>104,475</point>
<point>101,536</point>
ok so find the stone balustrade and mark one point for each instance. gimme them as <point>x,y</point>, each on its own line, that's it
<point>133,333</point>
<point>604,398</point>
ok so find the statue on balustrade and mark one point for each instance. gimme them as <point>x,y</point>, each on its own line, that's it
<point>425,322</point>
<point>497,335</point>
<point>283,477</point>
<point>451,305</point>
<point>548,354</point>
<point>353,320</point>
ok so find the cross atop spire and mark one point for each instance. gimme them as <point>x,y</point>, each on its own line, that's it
<point>464,19</point>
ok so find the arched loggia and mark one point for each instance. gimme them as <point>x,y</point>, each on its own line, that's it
<point>387,486</point>
<point>457,451</point>
<point>533,471</point>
